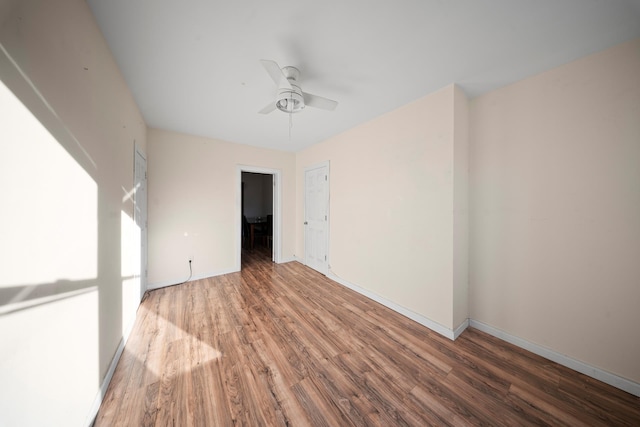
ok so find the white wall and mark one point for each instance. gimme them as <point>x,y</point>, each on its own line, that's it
<point>392,205</point>
<point>66,166</point>
<point>555,210</point>
<point>193,195</point>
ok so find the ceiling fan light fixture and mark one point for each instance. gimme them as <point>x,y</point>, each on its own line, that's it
<point>290,102</point>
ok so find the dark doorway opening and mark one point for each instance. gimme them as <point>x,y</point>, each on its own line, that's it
<point>257,215</point>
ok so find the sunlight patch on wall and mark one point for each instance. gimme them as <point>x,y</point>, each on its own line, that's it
<point>130,269</point>
<point>49,222</point>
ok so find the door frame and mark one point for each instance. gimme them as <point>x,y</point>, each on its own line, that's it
<point>277,211</point>
<point>327,200</point>
<point>144,219</point>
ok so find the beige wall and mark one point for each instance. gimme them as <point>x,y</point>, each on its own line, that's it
<point>193,184</point>
<point>555,210</point>
<point>66,217</point>
<point>391,207</point>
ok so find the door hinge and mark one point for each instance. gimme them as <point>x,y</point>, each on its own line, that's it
<point>325,178</point>
<point>325,257</point>
<point>325,217</point>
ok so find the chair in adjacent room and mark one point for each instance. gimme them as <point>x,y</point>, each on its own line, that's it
<point>245,232</point>
<point>269,233</point>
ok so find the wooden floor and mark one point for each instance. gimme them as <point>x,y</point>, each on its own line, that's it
<point>283,345</point>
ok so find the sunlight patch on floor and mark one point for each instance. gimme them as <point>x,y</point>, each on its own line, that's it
<point>186,351</point>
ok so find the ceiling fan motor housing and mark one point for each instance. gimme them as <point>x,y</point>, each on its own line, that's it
<point>290,98</point>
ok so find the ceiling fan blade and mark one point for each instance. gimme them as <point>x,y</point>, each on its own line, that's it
<point>319,102</point>
<point>276,73</point>
<point>268,108</point>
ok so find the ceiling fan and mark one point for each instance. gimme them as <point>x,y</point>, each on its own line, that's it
<point>290,98</point>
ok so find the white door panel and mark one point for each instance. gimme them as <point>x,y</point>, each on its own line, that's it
<point>316,217</point>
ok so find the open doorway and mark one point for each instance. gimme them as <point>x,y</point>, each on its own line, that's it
<point>258,210</point>
<point>257,214</point>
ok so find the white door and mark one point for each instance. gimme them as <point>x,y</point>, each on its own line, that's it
<point>316,217</point>
<point>140,214</point>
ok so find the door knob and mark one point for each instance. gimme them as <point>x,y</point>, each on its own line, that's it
<point>305,223</point>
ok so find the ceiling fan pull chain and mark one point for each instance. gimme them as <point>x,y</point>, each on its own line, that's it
<point>290,126</point>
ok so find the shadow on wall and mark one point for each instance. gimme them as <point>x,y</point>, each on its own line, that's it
<point>20,298</point>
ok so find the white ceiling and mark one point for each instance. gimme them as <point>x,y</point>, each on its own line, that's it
<point>193,65</point>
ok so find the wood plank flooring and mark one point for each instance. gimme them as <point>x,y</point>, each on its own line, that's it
<point>284,345</point>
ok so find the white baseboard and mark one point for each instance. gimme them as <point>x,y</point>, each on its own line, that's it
<point>591,371</point>
<point>460,329</point>
<point>164,284</point>
<point>95,407</point>
<point>571,363</point>
<point>424,321</point>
